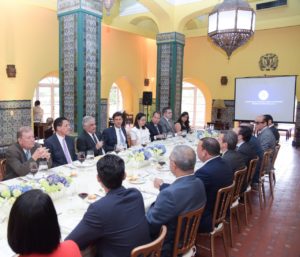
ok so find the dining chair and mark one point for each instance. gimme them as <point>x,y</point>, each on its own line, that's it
<point>152,249</point>
<point>272,177</point>
<point>239,179</point>
<point>245,194</point>
<point>264,169</point>
<point>186,231</point>
<point>2,169</point>
<point>218,221</point>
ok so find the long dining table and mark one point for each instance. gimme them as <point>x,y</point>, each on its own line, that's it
<point>71,205</point>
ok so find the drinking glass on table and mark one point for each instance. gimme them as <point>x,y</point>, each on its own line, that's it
<point>90,155</point>
<point>33,168</point>
<point>43,166</point>
<point>118,148</point>
<point>81,157</point>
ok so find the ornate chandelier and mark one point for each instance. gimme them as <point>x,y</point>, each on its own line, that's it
<point>108,4</point>
<point>231,24</point>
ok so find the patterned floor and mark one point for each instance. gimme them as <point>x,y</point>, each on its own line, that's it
<point>275,231</point>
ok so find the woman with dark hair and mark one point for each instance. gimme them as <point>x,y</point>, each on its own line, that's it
<point>183,123</point>
<point>140,134</point>
<point>33,229</point>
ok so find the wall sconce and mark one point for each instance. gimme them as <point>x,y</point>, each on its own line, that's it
<point>11,71</point>
<point>219,104</point>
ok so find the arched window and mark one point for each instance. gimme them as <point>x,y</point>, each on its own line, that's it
<point>48,94</point>
<point>193,102</point>
<point>115,101</point>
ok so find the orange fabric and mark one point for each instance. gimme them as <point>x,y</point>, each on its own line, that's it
<point>65,249</point>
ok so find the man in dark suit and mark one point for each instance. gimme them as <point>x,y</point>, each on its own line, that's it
<point>272,127</point>
<point>154,127</point>
<point>228,140</point>
<point>215,174</point>
<point>61,145</point>
<point>20,154</point>
<point>187,193</point>
<point>115,135</point>
<point>244,134</point>
<point>166,121</point>
<point>116,223</point>
<point>89,138</point>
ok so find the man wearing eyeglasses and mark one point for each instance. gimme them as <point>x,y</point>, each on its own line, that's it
<point>264,134</point>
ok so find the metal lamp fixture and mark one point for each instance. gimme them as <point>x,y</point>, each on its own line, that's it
<point>108,4</point>
<point>231,24</point>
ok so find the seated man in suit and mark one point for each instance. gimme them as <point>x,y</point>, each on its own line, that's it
<point>244,134</point>
<point>271,126</point>
<point>228,140</point>
<point>264,134</point>
<point>154,127</point>
<point>115,135</point>
<point>166,121</point>
<point>185,194</point>
<point>89,138</point>
<point>215,174</point>
<point>116,223</point>
<point>20,154</point>
<point>61,145</point>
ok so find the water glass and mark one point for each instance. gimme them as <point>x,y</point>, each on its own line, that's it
<point>90,155</point>
<point>81,156</point>
<point>33,168</point>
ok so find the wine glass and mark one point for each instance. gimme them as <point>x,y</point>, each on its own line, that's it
<point>183,133</point>
<point>81,156</point>
<point>90,155</point>
<point>118,148</point>
<point>33,168</point>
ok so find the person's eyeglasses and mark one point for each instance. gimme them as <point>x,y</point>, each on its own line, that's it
<point>259,122</point>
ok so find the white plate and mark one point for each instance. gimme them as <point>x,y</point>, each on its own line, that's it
<point>85,164</point>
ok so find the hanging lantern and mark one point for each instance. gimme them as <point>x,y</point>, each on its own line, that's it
<point>108,4</point>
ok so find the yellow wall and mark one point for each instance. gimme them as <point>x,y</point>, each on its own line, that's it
<point>28,39</point>
<point>125,58</point>
<point>204,61</point>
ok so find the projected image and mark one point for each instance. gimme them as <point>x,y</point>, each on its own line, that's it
<point>274,95</point>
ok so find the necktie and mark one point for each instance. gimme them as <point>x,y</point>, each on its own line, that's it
<point>158,132</point>
<point>94,138</point>
<point>28,154</point>
<point>66,152</point>
<point>121,137</point>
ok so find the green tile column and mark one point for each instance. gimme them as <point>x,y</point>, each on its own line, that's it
<point>170,48</point>
<point>80,59</point>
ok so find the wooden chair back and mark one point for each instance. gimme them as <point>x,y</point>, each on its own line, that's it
<point>239,180</point>
<point>275,153</point>
<point>186,231</point>
<point>251,170</point>
<point>152,249</point>
<point>266,162</point>
<point>222,204</point>
<point>2,169</point>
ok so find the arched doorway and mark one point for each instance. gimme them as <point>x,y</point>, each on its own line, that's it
<point>47,92</point>
<point>193,101</point>
<point>115,100</point>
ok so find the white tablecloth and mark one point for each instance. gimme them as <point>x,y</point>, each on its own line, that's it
<point>70,207</point>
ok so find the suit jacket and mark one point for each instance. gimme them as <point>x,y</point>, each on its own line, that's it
<point>215,174</point>
<point>275,132</point>
<point>259,152</point>
<point>57,152</point>
<point>110,139</point>
<point>185,194</point>
<point>17,163</point>
<point>152,129</point>
<point>167,126</point>
<point>234,159</point>
<point>266,139</point>
<point>115,224</point>
<point>248,152</point>
<point>85,143</point>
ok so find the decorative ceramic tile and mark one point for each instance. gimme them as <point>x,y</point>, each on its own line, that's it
<point>169,78</point>
<point>94,6</point>
<point>104,109</point>
<point>13,115</point>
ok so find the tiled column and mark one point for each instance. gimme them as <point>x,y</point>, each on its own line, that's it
<point>80,59</point>
<point>170,48</point>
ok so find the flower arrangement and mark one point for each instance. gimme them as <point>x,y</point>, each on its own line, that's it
<point>54,183</point>
<point>157,150</point>
<point>12,192</point>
